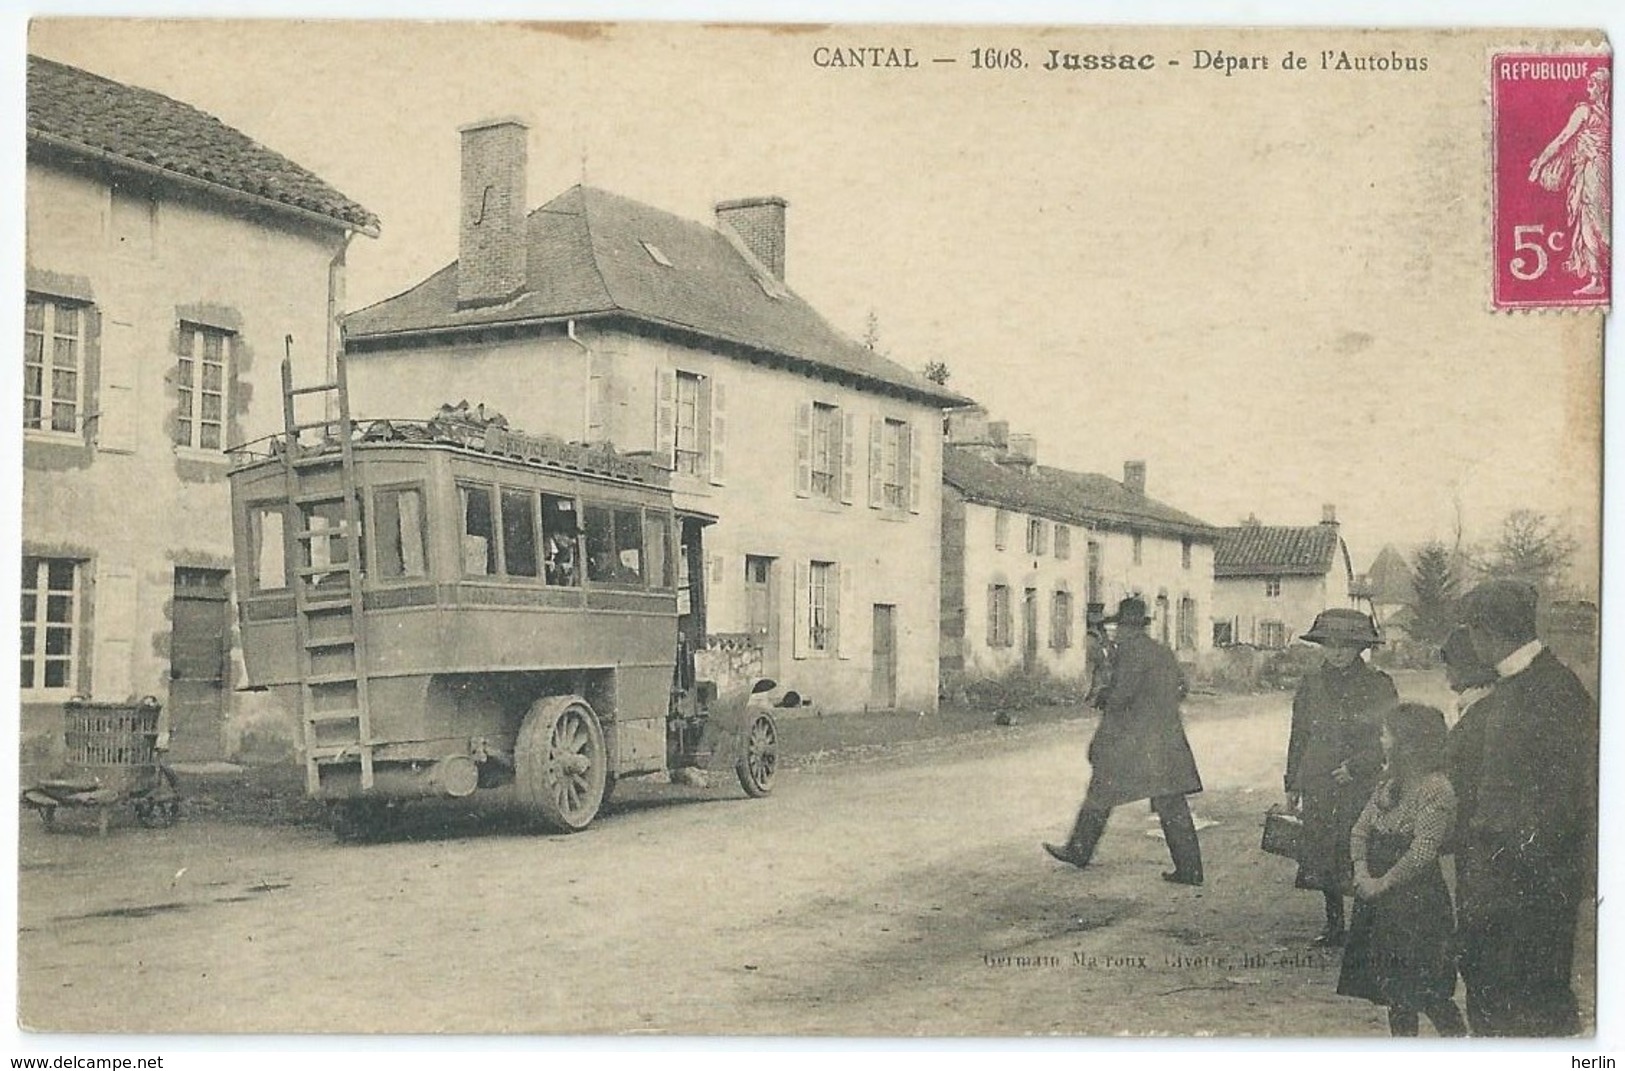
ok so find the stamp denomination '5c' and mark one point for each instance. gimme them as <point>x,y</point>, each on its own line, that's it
<point>1551,117</point>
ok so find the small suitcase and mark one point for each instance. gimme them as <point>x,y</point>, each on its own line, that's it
<point>1281,831</point>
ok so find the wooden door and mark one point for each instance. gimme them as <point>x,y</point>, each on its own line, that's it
<point>198,657</point>
<point>762,610</point>
<point>1029,629</point>
<point>883,677</point>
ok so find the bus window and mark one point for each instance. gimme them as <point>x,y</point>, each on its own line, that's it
<point>270,557</point>
<point>561,538</point>
<point>656,531</point>
<point>614,546</point>
<point>398,531</point>
<point>519,533</point>
<point>479,539</point>
<point>325,522</point>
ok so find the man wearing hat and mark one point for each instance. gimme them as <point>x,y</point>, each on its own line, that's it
<point>1526,848</point>
<point>1139,750</point>
<point>1334,755</point>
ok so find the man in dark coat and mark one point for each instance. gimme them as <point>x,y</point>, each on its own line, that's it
<point>1527,845</point>
<point>1139,750</point>
<point>1334,755</point>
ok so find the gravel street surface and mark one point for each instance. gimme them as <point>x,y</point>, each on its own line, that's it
<point>889,891</point>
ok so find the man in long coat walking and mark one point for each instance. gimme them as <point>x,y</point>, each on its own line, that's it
<point>1139,750</point>
<point>1526,850</point>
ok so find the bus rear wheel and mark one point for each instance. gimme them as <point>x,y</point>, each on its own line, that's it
<point>760,761</point>
<point>560,762</point>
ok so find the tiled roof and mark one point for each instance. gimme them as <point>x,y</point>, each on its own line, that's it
<point>587,257</point>
<point>1084,498</point>
<point>1262,550</point>
<point>86,114</point>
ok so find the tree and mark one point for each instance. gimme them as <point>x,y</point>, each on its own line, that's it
<point>1437,588</point>
<point>936,372</point>
<point>1531,547</point>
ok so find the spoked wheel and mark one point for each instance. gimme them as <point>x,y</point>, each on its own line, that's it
<point>560,762</point>
<point>760,761</point>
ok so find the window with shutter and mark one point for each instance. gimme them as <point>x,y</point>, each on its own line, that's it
<point>849,449</point>
<point>50,624</point>
<point>201,377</point>
<point>827,452</point>
<point>665,452</point>
<point>53,364</point>
<point>803,473</point>
<point>877,462</point>
<point>1001,529</point>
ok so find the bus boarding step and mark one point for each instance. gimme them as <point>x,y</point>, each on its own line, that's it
<point>316,680</point>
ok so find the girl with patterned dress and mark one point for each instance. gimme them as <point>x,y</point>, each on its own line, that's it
<point>1400,948</point>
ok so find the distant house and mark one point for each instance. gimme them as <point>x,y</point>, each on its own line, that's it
<point>1269,582</point>
<point>1026,549</point>
<point>168,256</point>
<point>598,318</point>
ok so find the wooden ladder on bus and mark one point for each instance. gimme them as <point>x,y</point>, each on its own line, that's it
<point>327,630</point>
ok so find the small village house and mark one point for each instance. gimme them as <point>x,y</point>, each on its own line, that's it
<point>1269,582</point>
<point>1028,548</point>
<point>168,257</point>
<point>597,318</point>
<point>1388,587</point>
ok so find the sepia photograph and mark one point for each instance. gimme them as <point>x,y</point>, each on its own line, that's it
<point>810,530</point>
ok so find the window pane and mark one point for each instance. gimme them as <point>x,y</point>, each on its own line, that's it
<point>400,534</point>
<point>629,546</point>
<point>211,345</point>
<point>59,608</point>
<point>67,320</point>
<point>64,386</point>
<point>209,436</point>
<point>30,603</point>
<point>58,641</point>
<point>26,672</point>
<point>185,373</point>
<point>270,557</point>
<point>56,674</point>
<point>32,413</point>
<point>655,539</point>
<point>33,348</point>
<point>66,353</point>
<point>33,381</point>
<point>211,407</point>
<point>28,637</point>
<point>479,537</point>
<point>34,316</point>
<point>519,533</point>
<point>62,417</point>
<point>183,432</point>
<point>212,376</point>
<point>59,575</point>
<point>600,544</point>
<point>561,538</point>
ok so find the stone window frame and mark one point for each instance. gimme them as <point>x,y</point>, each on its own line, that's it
<point>37,588</point>
<point>191,418</point>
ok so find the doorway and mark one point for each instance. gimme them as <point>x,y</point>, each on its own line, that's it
<point>1029,630</point>
<point>198,649</point>
<point>762,610</point>
<point>883,678</point>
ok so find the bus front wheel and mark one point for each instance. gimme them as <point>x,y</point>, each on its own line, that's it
<point>561,763</point>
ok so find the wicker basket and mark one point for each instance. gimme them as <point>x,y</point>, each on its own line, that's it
<point>103,736</point>
<point>1281,832</point>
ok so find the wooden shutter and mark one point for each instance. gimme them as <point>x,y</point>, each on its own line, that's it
<point>115,428</point>
<point>877,461</point>
<point>600,376</point>
<point>911,452</point>
<point>849,450</point>
<point>802,627</point>
<point>992,615</point>
<point>840,598</point>
<point>116,626</point>
<point>804,413</point>
<point>665,417</point>
<point>714,590</point>
<point>719,429</point>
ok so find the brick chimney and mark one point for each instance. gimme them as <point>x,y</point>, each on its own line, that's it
<point>1022,453</point>
<point>759,223</point>
<point>1134,477</point>
<point>1328,514</point>
<point>491,227</point>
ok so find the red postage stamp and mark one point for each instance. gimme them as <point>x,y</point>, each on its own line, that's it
<point>1550,130</point>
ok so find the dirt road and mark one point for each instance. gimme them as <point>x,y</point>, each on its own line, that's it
<point>901,895</point>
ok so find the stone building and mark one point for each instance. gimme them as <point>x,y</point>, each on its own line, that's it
<point>168,258</point>
<point>1269,582</point>
<point>600,319</point>
<point>1027,548</point>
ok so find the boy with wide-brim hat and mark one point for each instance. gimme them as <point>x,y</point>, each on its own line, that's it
<point>1335,754</point>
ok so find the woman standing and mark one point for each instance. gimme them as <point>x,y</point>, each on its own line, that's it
<point>1399,950</point>
<point>1335,754</point>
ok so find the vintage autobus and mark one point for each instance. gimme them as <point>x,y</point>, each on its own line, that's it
<point>450,606</point>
